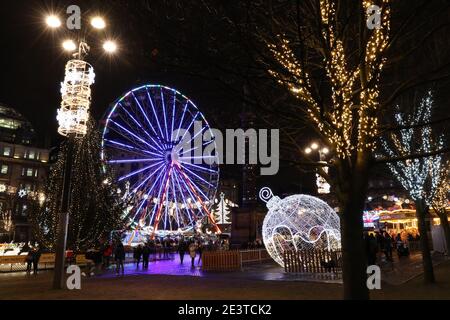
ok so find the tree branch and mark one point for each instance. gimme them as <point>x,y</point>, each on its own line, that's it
<point>413,156</point>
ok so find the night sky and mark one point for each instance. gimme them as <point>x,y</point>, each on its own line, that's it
<point>32,67</point>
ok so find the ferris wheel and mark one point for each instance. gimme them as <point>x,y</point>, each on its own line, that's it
<point>169,188</point>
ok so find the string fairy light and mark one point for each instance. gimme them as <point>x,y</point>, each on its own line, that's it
<point>344,81</point>
<point>420,176</point>
<point>298,222</point>
<point>95,209</point>
<point>76,98</point>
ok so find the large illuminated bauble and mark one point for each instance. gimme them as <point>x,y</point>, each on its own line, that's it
<point>298,222</point>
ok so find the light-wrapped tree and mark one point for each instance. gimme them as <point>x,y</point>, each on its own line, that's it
<point>342,105</point>
<point>439,198</point>
<point>420,177</point>
<point>325,54</point>
<point>94,209</point>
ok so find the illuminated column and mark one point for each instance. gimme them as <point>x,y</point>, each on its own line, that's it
<point>76,98</point>
<point>322,185</point>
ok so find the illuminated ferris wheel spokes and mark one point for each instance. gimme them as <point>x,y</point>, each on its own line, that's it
<point>169,191</point>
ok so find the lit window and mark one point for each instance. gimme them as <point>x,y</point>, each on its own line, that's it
<point>31,154</point>
<point>7,151</point>
<point>29,172</point>
<point>4,169</point>
<point>24,210</point>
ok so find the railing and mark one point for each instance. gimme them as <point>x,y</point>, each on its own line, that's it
<point>221,260</point>
<point>414,245</point>
<point>254,256</point>
<point>313,261</point>
<point>18,263</point>
<point>232,260</point>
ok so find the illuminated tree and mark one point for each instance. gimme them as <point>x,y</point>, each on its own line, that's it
<point>94,209</point>
<point>439,199</point>
<point>347,119</point>
<point>331,63</point>
<point>420,177</point>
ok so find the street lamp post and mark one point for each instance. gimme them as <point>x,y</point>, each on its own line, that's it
<point>72,118</point>
<point>322,185</point>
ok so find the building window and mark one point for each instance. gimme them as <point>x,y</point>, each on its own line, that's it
<point>30,154</point>
<point>7,151</point>
<point>29,172</point>
<point>4,169</point>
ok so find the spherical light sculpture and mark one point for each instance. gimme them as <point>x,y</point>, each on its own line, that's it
<point>298,222</point>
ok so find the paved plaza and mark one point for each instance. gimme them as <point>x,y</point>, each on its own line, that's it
<point>168,279</point>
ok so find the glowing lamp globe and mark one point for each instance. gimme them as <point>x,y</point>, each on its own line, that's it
<point>298,222</point>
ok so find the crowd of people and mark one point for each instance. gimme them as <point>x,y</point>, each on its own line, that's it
<point>100,258</point>
<point>381,243</point>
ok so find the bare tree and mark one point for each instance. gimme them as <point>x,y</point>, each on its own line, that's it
<point>341,76</point>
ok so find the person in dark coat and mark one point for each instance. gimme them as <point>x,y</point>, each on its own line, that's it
<point>29,260</point>
<point>370,243</point>
<point>138,255</point>
<point>36,257</point>
<point>119,256</point>
<point>193,252</point>
<point>145,256</point>
<point>182,250</point>
<point>387,246</point>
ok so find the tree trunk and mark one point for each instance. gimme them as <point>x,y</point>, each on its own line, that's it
<point>421,213</point>
<point>352,227</point>
<point>446,227</point>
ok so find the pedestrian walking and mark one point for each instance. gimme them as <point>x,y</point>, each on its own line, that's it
<point>107,253</point>
<point>119,256</point>
<point>29,260</point>
<point>371,248</point>
<point>193,253</point>
<point>182,250</point>
<point>145,256</point>
<point>36,257</point>
<point>138,255</point>
<point>387,246</point>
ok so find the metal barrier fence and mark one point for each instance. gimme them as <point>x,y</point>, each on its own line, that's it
<point>313,261</point>
<point>221,260</point>
<point>231,260</point>
<point>18,263</point>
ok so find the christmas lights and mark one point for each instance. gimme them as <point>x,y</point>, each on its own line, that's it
<point>298,222</point>
<point>420,176</point>
<point>76,98</point>
<point>347,112</point>
<point>222,211</point>
<point>142,135</point>
<point>95,209</point>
